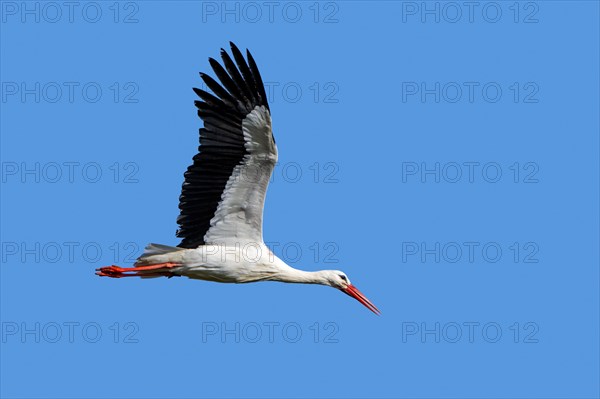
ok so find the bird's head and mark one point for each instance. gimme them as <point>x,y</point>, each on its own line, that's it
<point>338,279</point>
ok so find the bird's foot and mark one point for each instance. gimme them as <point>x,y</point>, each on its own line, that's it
<point>140,271</point>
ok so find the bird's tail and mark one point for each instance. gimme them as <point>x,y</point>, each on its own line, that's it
<point>158,253</point>
<point>157,261</point>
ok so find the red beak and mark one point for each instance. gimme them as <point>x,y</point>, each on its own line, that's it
<point>356,294</point>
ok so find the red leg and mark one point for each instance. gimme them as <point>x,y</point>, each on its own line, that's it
<point>119,275</point>
<point>118,272</point>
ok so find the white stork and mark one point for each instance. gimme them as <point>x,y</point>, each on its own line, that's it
<point>223,193</point>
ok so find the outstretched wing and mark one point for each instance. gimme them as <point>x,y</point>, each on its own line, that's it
<point>223,194</point>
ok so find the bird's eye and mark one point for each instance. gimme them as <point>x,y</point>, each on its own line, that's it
<point>343,277</point>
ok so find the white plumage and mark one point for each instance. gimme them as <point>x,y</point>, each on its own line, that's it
<point>238,218</point>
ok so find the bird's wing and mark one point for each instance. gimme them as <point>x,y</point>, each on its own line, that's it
<point>223,194</point>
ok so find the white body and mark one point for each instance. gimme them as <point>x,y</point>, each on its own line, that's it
<point>233,263</point>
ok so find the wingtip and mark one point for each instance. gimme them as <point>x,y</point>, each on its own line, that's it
<point>205,77</point>
<point>251,60</point>
<point>235,49</point>
<point>226,58</point>
<point>213,63</point>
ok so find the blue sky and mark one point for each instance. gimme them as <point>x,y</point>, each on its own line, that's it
<point>444,156</point>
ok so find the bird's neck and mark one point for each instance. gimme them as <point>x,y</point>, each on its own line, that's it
<point>291,275</point>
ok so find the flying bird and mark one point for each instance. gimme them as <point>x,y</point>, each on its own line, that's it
<point>223,194</point>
